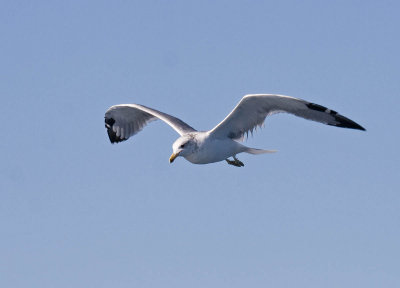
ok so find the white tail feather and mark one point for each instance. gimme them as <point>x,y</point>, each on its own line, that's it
<point>255,151</point>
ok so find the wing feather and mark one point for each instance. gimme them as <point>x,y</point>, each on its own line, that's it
<point>252,110</point>
<point>125,120</point>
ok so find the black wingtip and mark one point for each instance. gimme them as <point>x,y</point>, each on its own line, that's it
<point>341,120</point>
<point>111,134</point>
<point>347,123</point>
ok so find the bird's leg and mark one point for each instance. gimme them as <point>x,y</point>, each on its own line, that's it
<point>236,162</point>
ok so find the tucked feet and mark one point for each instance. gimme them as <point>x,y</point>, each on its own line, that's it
<point>236,162</point>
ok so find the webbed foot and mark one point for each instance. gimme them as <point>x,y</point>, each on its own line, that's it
<point>236,162</point>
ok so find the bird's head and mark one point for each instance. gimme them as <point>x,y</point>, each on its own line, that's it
<point>183,146</point>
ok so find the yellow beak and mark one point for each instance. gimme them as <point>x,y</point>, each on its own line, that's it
<point>173,156</point>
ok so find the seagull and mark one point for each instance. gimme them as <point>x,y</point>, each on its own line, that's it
<point>223,141</point>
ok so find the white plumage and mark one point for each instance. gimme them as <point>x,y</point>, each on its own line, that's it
<point>221,142</point>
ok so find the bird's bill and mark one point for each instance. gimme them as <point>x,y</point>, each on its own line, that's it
<point>173,156</point>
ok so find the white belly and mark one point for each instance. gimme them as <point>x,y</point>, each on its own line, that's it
<point>215,150</point>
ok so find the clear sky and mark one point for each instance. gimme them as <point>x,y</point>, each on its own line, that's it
<point>76,211</point>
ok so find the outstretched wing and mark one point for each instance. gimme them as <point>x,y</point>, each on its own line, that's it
<point>125,120</point>
<point>253,109</point>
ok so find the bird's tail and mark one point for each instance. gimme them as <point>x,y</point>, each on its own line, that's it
<point>255,151</point>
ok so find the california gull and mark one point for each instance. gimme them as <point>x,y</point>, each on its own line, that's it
<point>223,141</point>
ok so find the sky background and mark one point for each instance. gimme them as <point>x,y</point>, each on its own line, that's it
<point>76,211</point>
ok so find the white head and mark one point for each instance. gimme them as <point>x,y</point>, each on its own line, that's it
<point>183,146</point>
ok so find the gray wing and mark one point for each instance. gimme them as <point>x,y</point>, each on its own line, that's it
<point>125,120</point>
<point>253,109</point>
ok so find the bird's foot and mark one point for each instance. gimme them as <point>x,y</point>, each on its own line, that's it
<point>236,162</point>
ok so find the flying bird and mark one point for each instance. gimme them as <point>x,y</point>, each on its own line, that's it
<point>223,141</point>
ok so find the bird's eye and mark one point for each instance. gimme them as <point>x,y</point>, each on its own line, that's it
<point>182,146</point>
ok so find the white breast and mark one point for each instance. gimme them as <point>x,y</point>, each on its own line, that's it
<point>214,150</point>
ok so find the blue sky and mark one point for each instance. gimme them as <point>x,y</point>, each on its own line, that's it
<point>76,211</point>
